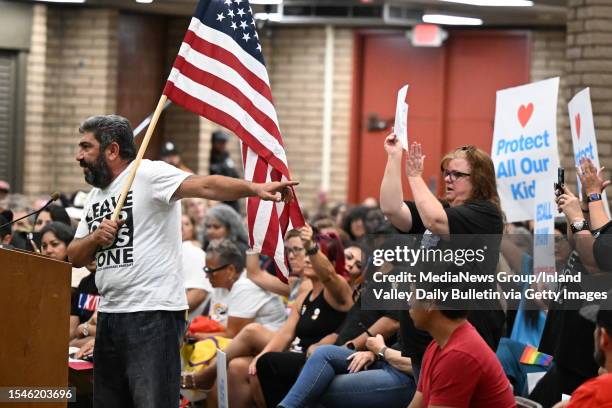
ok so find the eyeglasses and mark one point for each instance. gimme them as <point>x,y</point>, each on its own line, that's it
<point>208,270</point>
<point>294,250</point>
<point>453,175</point>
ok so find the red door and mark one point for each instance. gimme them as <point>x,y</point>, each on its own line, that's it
<point>451,97</point>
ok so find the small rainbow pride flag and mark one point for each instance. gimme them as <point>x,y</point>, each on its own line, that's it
<point>532,356</point>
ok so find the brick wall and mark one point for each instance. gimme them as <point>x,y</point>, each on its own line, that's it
<point>72,73</point>
<point>74,63</point>
<point>37,162</point>
<point>296,69</point>
<point>548,61</point>
<point>180,125</point>
<point>295,61</point>
<point>589,64</point>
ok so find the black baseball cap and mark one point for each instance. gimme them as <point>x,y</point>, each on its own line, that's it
<point>169,149</point>
<point>599,313</point>
<point>220,136</point>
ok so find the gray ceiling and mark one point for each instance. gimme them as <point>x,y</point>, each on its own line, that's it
<point>545,13</point>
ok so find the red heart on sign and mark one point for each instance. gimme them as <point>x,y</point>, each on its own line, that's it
<point>577,123</point>
<point>524,113</point>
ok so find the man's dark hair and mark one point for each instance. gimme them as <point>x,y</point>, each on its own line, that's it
<point>228,253</point>
<point>62,231</point>
<point>58,213</point>
<point>606,323</point>
<point>454,314</point>
<point>111,128</point>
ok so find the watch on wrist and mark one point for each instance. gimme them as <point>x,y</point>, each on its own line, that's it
<point>314,248</point>
<point>579,225</point>
<point>381,353</point>
<point>593,197</point>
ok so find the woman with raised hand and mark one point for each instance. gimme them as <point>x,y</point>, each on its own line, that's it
<point>470,205</point>
<point>587,216</point>
<point>313,321</point>
<point>254,336</point>
<point>567,335</point>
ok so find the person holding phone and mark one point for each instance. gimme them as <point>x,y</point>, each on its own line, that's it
<point>567,335</point>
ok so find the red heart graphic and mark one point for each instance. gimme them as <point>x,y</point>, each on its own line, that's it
<point>524,113</point>
<point>577,123</point>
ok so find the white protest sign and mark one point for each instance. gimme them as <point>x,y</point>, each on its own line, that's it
<point>583,133</point>
<point>544,227</point>
<point>401,117</point>
<point>525,144</point>
<point>222,380</point>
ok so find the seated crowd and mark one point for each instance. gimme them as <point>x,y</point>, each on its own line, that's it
<point>312,341</point>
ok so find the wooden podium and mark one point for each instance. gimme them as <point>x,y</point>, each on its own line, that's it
<point>34,322</point>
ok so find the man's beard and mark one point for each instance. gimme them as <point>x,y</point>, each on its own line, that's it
<point>98,174</point>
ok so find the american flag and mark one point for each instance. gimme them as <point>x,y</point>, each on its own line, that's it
<point>220,74</point>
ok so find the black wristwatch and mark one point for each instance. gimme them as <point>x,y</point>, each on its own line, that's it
<point>381,353</point>
<point>579,225</point>
<point>313,249</point>
<point>594,197</point>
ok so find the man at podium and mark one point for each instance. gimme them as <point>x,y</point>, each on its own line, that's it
<point>141,314</point>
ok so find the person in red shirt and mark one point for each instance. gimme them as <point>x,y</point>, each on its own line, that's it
<point>459,369</point>
<point>597,392</point>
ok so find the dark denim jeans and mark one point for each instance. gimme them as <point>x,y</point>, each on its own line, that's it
<point>137,359</point>
<point>325,380</point>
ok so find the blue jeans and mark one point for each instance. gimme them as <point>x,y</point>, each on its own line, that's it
<point>137,360</point>
<point>325,379</point>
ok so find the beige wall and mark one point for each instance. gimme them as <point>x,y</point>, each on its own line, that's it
<point>71,74</point>
<point>295,61</point>
<point>548,61</point>
<point>589,64</point>
<point>180,125</point>
<point>296,69</point>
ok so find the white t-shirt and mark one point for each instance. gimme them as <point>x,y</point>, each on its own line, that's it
<point>141,270</point>
<point>246,300</point>
<point>194,259</point>
<point>77,276</point>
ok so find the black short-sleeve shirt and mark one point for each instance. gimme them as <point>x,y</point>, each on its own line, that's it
<point>85,299</point>
<point>602,248</point>
<point>473,218</point>
<point>568,336</point>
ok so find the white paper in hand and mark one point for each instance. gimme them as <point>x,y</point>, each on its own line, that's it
<point>401,117</point>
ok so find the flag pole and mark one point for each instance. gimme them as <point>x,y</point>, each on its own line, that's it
<point>139,156</point>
